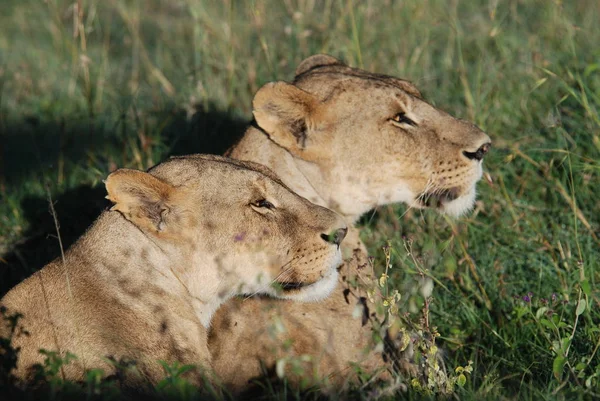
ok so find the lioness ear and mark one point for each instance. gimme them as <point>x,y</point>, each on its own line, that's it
<point>317,60</point>
<point>142,198</point>
<point>285,112</point>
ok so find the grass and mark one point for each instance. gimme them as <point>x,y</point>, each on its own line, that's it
<point>86,86</point>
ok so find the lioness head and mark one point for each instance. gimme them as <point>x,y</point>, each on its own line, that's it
<point>235,227</point>
<point>367,139</point>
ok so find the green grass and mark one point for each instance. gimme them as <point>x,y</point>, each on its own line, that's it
<point>127,83</point>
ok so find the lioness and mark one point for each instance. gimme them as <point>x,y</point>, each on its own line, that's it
<point>143,282</point>
<point>349,140</point>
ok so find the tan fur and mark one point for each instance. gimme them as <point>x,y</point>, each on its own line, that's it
<point>331,135</point>
<point>142,283</point>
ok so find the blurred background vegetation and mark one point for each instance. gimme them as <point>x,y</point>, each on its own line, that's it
<point>89,86</point>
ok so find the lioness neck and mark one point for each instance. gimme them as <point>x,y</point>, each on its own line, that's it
<point>131,260</point>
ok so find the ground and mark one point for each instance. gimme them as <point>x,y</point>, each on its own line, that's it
<point>87,86</point>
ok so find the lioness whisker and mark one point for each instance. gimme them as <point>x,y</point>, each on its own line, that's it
<point>287,268</point>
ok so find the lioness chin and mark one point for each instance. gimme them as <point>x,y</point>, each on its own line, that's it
<point>142,283</point>
<point>349,140</point>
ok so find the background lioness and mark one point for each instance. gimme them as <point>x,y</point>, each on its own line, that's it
<point>142,283</point>
<point>350,140</point>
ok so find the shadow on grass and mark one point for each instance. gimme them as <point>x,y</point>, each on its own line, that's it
<point>76,209</point>
<point>33,147</point>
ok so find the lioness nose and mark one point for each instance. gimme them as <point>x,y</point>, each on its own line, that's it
<point>336,236</point>
<point>479,153</point>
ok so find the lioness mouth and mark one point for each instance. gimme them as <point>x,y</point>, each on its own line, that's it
<point>293,286</point>
<point>439,197</point>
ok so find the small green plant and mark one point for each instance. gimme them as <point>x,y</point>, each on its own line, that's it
<point>50,373</point>
<point>556,319</point>
<point>174,386</point>
<point>97,386</point>
<point>413,337</point>
<point>9,354</point>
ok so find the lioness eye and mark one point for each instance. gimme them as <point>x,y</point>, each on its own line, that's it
<point>402,119</point>
<point>263,203</point>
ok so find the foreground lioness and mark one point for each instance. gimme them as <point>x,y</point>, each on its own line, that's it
<point>142,283</point>
<point>349,140</point>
